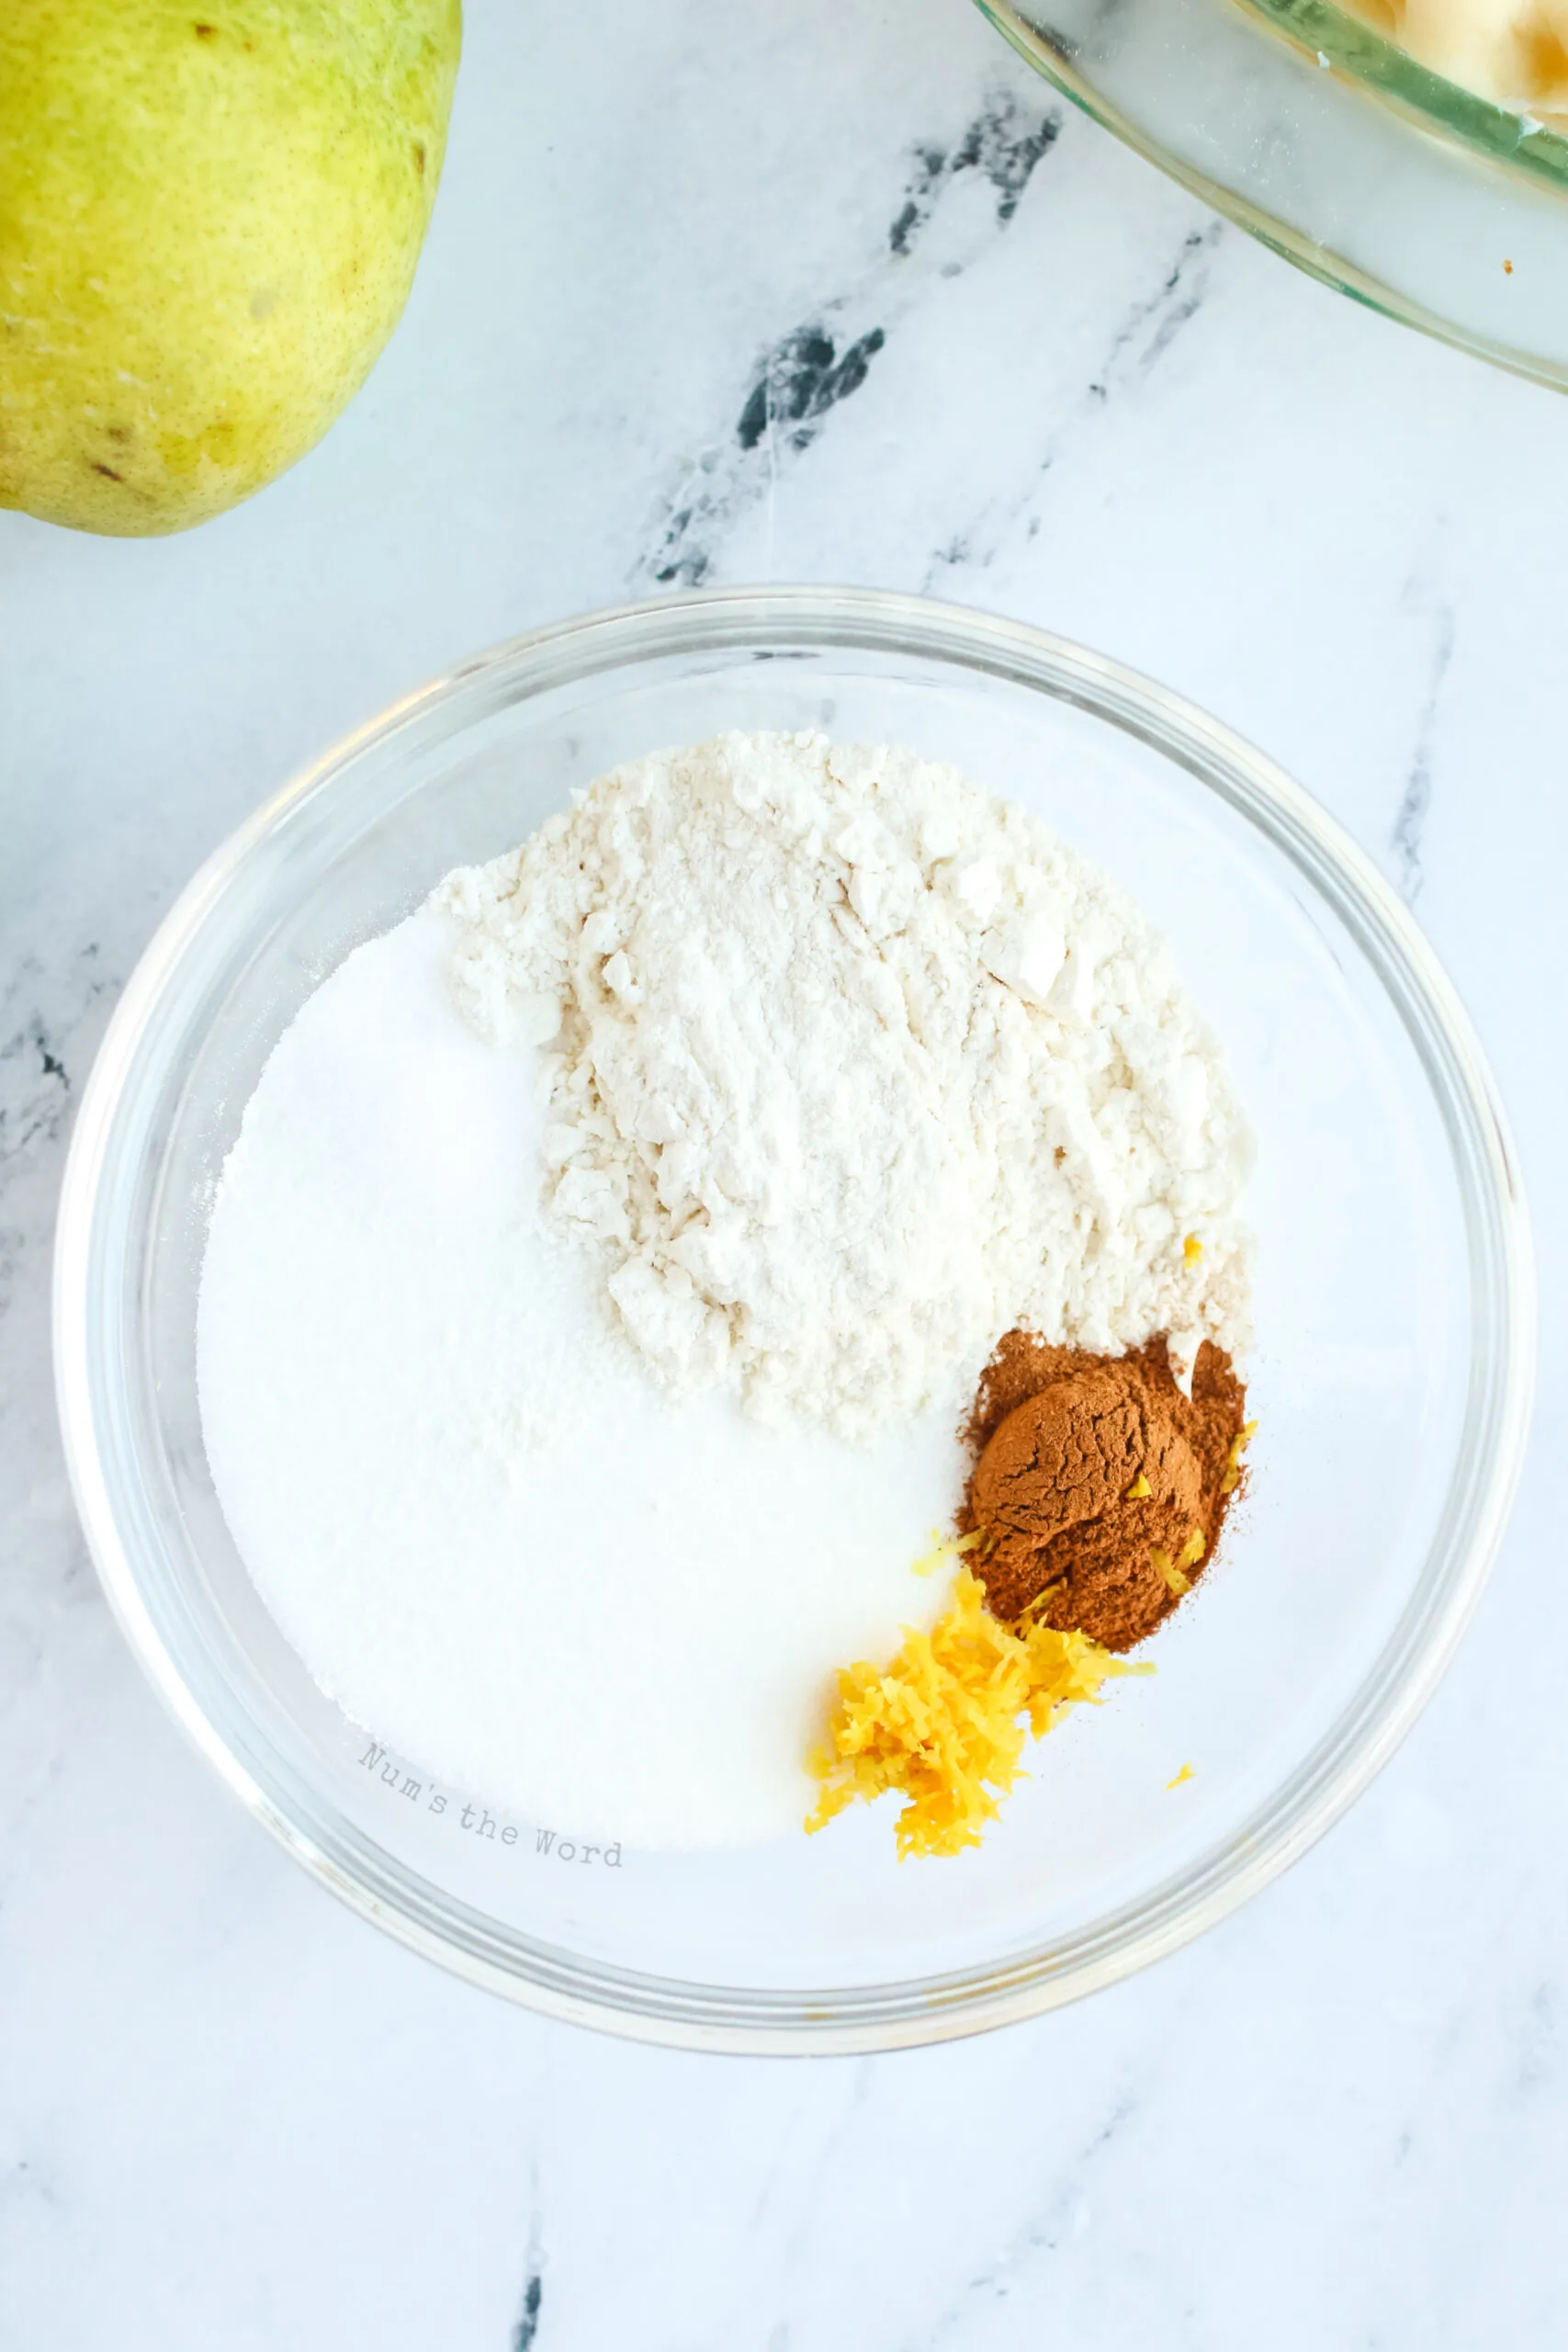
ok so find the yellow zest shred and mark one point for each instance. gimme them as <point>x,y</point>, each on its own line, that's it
<point>1239,1444</point>
<point>1138,1489</point>
<point>941,1722</point>
<point>1175,1571</point>
<point>1173,1576</point>
<point>1192,1249</point>
<point>945,1548</point>
<point>1185,1774</point>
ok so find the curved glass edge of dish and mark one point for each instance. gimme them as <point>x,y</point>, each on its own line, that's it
<point>1333,36</point>
<point>920,2011</point>
<point>1315,34</point>
<point>1349,43</point>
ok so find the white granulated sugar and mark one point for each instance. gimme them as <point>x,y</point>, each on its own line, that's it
<point>488,1535</point>
<point>854,1067</point>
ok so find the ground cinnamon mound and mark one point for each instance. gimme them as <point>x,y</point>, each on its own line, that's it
<point>1098,1489</point>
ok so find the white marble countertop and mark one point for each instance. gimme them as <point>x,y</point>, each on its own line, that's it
<point>1032,376</point>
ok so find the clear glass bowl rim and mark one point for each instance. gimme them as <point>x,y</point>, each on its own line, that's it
<point>1341,38</point>
<point>1528,152</point>
<point>928,2009</point>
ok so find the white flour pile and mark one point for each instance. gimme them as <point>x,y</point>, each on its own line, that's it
<point>855,1068</point>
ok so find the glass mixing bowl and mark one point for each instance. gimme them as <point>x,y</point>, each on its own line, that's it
<point>1336,150</point>
<point>1391,1377</point>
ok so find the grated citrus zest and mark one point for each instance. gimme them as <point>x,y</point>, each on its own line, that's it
<point>944,1724</point>
<point>1173,1576</point>
<point>1185,1774</point>
<point>945,1548</point>
<point>1239,1444</point>
<point>1192,1249</point>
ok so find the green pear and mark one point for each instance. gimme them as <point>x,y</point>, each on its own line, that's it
<point>210,220</point>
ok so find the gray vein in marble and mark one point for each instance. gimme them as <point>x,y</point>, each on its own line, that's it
<point>1408,834</point>
<point>1039,2235</point>
<point>48,1017</point>
<point>818,2172</point>
<point>35,1088</point>
<point>42,1013</point>
<point>802,379</point>
<point>1166,311</point>
<point>1141,341</point>
<point>815,366</point>
<point>525,2329</point>
<point>1004,143</point>
<point>862,2074</point>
